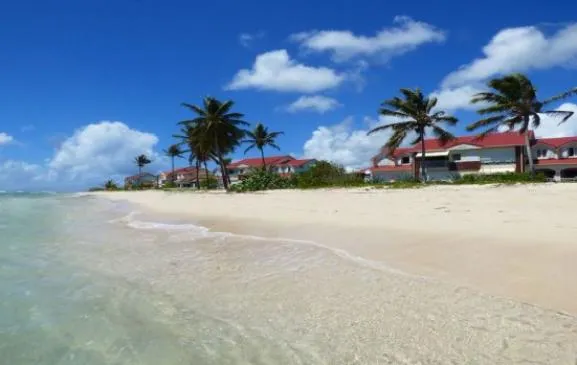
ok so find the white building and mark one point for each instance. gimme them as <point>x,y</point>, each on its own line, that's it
<point>499,152</point>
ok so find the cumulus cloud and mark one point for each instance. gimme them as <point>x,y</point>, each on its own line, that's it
<point>518,50</point>
<point>246,39</point>
<point>454,98</point>
<point>102,149</point>
<point>91,155</point>
<point>316,103</point>
<point>406,35</point>
<point>276,71</point>
<point>342,144</point>
<point>5,138</point>
<point>550,126</point>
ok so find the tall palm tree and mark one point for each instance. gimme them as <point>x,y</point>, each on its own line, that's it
<point>173,152</point>
<point>513,104</point>
<point>260,137</point>
<point>415,114</point>
<point>141,161</point>
<point>199,147</point>
<point>219,125</point>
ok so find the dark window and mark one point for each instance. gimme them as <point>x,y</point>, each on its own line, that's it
<point>405,159</point>
<point>570,151</point>
<point>457,157</point>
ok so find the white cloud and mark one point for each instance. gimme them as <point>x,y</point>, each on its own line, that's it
<point>550,126</point>
<point>518,50</point>
<point>456,98</point>
<point>317,103</point>
<point>5,138</point>
<point>246,39</point>
<point>276,71</point>
<point>102,149</point>
<point>93,154</point>
<point>342,144</point>
<point>407,35</point>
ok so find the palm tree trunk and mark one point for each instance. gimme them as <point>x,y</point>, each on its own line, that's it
<point>423,169</point>
<point>529,154</point>
<point>198,174</point>
<point>223,170</point>
<point>206,172</point>
<point>262,156</point>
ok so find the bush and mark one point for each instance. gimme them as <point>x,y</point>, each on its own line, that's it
<point>325,174</point>
<point>263,180</point>
<point>501,178</point>
<point>210,183</point>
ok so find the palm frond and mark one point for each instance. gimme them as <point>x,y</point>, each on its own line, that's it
<point>561,96</point>
<point>486,122</point>
<point>443,135</point>
<point>556,113</point>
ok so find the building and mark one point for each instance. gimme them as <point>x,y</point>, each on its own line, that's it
<point>183,178</point>
<point>282,165</point>
<point>494,153</point>
<point>144,179</point>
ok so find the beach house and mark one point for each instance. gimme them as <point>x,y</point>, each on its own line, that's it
<point>494,153</point>
<point>282,165</point>
<point>144,179</point>
<point>183,178</point>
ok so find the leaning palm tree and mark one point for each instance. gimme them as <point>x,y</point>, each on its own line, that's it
<point>173,152</point>
<point>199,147</point>
<point>260,137</point>
<point>512,104</point>
<point>415,114</point>
<point>220,126</point>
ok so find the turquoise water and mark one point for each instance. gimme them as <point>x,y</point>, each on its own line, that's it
<point>86,281</point>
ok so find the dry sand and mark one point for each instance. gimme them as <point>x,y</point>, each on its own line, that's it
<point>515,242</point>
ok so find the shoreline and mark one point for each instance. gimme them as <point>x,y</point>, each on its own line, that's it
<point>489,238</point>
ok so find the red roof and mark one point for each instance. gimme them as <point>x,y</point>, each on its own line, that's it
<point>257,161</point>
<point>556,142</point>
<point>184,170</point>
<point>299,163</point>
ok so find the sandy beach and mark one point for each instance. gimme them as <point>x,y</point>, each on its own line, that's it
<point>510,241</point>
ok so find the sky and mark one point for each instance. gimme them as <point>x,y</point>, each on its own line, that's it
<point>85,86</point>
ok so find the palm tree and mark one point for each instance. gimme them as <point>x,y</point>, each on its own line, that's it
<point>141,161</point>
<point>218,125</point>
<point>416,115</point>
<point>110,185</point>
<point>199,147</point>
<point>173,152</point>
<point>513,104</point>
<point>260,137</point>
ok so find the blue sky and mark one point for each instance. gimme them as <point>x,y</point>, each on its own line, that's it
<point>87,85</point>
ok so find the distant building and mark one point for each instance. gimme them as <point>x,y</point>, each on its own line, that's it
<point>282,165</point>
<point>498,152</point>
<point>143,180</point>
<point>183,178</point>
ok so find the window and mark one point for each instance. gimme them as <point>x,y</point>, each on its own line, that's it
<point>457,157</point>
<point>405,160</point>
<point>570,151</point>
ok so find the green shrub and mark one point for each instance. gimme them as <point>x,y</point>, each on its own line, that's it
<point>263,180</point>
<point>210,183</point>
<point>501,178</point>
<point>325,174</point>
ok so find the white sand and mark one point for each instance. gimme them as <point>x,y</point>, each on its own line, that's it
<point>517,242</point>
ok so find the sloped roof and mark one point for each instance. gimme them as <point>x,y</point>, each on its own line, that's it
<point>556,142</point>
<point>257,161</point>
<point>299,163</point>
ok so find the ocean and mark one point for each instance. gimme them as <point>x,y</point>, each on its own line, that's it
<point>87,281</point>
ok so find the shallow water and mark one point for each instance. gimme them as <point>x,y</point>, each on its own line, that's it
<point>88,281</point>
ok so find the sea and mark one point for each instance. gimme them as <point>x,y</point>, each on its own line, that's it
<point>88,281</point>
